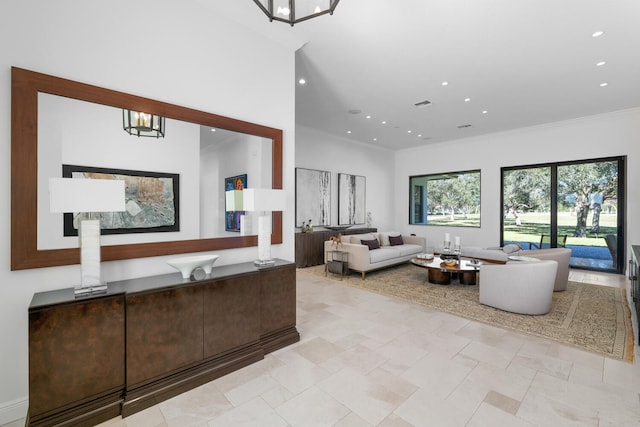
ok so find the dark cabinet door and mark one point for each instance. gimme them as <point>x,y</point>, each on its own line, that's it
<point>164,332</point>
<point>76,354</point>
<point>231,314</point>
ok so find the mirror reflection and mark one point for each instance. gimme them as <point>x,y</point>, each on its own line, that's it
<point>73,132</point>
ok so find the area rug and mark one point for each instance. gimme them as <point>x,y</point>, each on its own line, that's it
<point>591,317</point>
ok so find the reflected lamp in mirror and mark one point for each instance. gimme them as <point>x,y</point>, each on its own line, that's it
<point>263,201</point>
<point>87,196</point>
<point>143,124</point>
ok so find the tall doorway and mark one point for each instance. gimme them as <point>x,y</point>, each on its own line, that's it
<point>578,205</point>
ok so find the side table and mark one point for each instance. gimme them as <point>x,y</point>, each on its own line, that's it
<point>337,263</point>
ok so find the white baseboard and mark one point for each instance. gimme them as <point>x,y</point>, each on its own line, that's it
<point>13,410</point>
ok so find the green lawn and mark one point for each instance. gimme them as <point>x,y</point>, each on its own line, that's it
<point>535,224</point>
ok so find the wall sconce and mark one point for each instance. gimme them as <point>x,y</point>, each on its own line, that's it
<point>263,201</point>
<point>87,195</point>
<point>143,124</point>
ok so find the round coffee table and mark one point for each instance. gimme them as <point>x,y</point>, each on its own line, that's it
<point>440,274</point>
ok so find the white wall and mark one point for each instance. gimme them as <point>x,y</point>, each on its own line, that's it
<point>320,151</point>
<point>614,134</point>
<point>176,52</point>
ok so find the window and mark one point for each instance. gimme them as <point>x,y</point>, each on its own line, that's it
<point>578,205</point>
<point>451,199</point>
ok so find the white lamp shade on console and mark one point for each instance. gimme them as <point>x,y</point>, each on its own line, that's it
<point>87,195</point>
<point>263,200</point>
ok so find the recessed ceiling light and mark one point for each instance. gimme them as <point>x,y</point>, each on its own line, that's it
<point>445,83</point>
<point>375,139</point>
<point>419,135</point>
<point>600,64</point>
<point>302,81</point>
<point>597,34</point>
<point>368,117</point>
<point>467,99</point>
<point>348,131</point>
<point>409,131</point>
<point>604,84</point>
<point>384,122</point>
<point>213,129</point>
<point>484,112</point>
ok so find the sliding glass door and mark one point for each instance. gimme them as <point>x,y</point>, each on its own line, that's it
<point>578,205</point>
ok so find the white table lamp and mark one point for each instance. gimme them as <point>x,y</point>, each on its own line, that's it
<point>87,195</point>
<point>263,201</point>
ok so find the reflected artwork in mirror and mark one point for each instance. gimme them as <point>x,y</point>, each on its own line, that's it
<point>202,148</point>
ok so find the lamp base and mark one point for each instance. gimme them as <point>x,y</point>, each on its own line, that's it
<point>264,262</point>
<point>85,291</point>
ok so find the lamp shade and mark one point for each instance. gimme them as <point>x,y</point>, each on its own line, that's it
<point>233,201</point>
<point>86,195</point>
<point>263,199</point>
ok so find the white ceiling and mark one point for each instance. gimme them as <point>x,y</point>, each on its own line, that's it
<point>524,62</point>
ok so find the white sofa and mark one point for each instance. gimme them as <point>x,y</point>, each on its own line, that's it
<point>363,259</point>
<point>519,287</point>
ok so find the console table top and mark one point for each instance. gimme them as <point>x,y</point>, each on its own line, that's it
<point>149,284</point>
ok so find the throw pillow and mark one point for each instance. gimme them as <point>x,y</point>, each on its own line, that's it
<point>511,248</point>
<point>395,240</point>
<point>373,244</point>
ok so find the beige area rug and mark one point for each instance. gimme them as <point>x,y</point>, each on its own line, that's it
<point>591,317</point>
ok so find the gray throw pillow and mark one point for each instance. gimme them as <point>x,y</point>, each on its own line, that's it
<point>511,248</point>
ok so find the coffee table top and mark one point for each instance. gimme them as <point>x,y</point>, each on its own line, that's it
<point>462,265</point>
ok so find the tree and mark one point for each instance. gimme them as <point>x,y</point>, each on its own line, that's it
<point>456,194</point>
<point>526,189</point>
<point>580,184</point>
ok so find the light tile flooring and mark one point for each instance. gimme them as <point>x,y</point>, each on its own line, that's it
<point>369,360</point>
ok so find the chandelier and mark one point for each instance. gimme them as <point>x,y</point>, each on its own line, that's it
<point>294,11</point>
<point>143,124</point>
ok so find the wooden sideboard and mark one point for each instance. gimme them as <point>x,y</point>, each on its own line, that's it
<point>310,246</point>
<point>151,338</point>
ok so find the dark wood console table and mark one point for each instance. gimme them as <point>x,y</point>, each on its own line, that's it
<point>151,338</point>
<point>310,246</point>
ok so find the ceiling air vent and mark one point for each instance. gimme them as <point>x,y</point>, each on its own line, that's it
<point>464,126</point>
<point>422,103</point>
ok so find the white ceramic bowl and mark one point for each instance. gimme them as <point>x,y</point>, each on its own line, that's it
<point>186,265</point>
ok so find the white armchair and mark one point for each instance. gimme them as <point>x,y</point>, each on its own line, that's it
<point>519,286</point>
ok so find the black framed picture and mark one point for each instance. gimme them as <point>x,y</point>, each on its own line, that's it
<point>152,201</point>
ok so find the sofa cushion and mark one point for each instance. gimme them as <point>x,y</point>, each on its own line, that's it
<point>408,249</point>
<point>395,240</point>
<point>357,238</point>
<point>373,244</point>
<point>385,253</point>
<point>384,237</point>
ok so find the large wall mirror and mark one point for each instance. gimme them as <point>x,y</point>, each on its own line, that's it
<point>59,122</point>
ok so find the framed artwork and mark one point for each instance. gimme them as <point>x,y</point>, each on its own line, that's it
<point>232,218</point>
<point>313,197</point>
<point>152,201</point>
<point>351,199</point>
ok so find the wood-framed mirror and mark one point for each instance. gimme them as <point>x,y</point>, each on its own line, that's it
<point>26,88</point>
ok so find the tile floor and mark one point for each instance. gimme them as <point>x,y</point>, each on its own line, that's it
<point>369,360</point>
